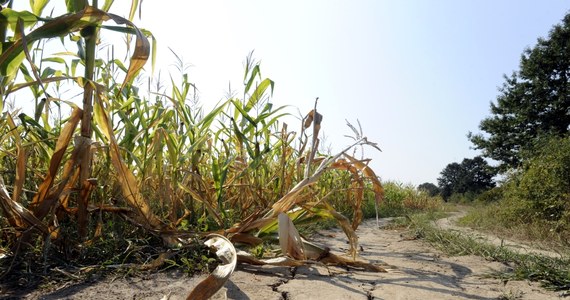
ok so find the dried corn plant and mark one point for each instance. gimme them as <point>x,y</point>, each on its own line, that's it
<point>158,164</point>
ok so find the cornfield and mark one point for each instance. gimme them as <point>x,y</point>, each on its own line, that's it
<point>75,176</point>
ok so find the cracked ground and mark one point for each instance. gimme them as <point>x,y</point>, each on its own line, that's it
<point>415,271</point>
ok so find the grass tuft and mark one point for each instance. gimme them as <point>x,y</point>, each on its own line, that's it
<point>553,273</point>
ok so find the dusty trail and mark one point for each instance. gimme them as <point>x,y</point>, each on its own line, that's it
<point>419,272</point>
<point>449,223</point>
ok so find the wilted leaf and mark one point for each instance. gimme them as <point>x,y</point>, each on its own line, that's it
<point>289,238</point>
<point>41,208</point>
<point>310,117</point>
<point>324,255</point>
<point>8,208</point>
<point>17,215</point>
<point>244,257</point>
<point>127,180</point>
<point>358,189</point>
<point>369,173</point>
<point>21,161</point>
<point>244,238</point>
<point>227,254</point>
<point>329,212</point>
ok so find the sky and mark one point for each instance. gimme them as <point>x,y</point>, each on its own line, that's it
<point>417,75</point>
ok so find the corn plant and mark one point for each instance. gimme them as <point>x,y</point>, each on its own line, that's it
<point>158,162</point>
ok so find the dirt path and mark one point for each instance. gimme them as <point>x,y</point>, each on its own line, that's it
<point>449,223</point>
<point>419,272</point>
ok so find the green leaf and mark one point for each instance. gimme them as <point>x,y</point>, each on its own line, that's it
<point>38,6</point>
<point>47,72</point>
<point>244,113</point>
<point>11,58</point>
<point>134,7</point>
<point>74,6</point>
<point>107,5</point>
<point>9,18</point>
<point>258,93</point>
<point>254,72</point>
<point>58,60</point>
<point>74,64</point>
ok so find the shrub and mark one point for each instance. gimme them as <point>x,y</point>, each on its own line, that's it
<point>493,195</point>
<point>541,190</point>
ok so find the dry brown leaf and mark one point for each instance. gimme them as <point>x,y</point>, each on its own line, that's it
<point>245,238</point>
<point>310,118</point>
<point>289,238</point>
<point>324,255</point>
<point>158,262</point>
<point>126,178</point>
<point>39,207</point>
<point>347,228</point>
<point>358,190</point>
<point>376,185</point>
<point>21,160</point>
<point>227,254</point>
<point>17,215</point>
<point>8,209</point>
<point>369,173</point>
<point>244,257</point>
<point>316,255</point>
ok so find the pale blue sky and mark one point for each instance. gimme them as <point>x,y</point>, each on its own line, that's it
<point>419,75</point>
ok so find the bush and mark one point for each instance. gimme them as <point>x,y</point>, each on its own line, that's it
<point>462,198</point>
<point>541,191</point>
<point>493,195</point>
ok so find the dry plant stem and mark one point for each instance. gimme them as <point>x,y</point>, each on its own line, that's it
<point>314,141</point>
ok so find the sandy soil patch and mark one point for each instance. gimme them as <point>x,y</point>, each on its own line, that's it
<point>417,271</point>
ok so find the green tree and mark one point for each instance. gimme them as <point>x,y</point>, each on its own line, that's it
<point>533,102</point>
<point>430,188</point>
<point>471,176</point>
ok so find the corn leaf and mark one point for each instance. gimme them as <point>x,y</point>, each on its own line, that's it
<point>126,178</point>
<point>255,72</point>
<point>226,252</point>
<point>369,173</point>
<point>11,57</point>
<point>258,93</point>
<point>41,207</point>
<point>9,209</point>
<point>38,6</point>
<point>289,238</point>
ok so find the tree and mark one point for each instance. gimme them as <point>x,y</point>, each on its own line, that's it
<point>472,175</point>
<point>533,102</point>
<point>430,188</point>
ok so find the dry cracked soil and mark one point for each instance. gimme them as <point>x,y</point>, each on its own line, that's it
<point>415,271</point>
